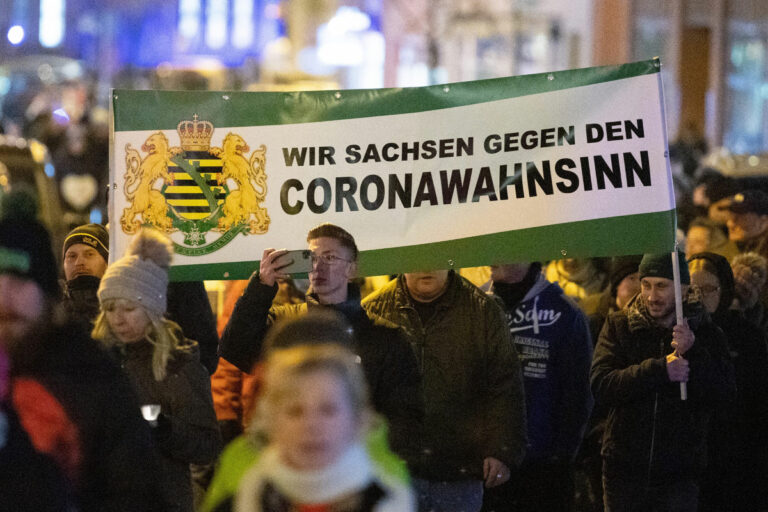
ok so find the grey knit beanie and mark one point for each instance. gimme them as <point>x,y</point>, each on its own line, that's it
<point>142,274</point>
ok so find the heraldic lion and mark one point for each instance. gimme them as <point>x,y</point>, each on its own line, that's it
<point>242,204</point>
<point>140,179</point>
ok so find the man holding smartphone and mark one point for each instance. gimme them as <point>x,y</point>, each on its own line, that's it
<point>386,357</point>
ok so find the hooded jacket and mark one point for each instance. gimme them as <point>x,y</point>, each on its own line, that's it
<point>388,363</point>
<point>737,477</point>
<point>473,388</point>
<point>629,376</point>
<point>555,349</point>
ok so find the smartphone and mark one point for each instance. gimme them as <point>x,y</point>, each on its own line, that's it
<point>295,262</point>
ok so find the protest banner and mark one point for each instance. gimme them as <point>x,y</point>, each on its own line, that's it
<point>537,167</point>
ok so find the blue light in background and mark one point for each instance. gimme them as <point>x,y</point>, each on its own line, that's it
<point>60,116</point>
<point>50,170</point>
<point>95,216</point>
<point>52,22</point>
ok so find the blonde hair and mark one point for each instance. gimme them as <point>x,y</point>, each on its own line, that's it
<point>163,334</point>
<point>285,366</point>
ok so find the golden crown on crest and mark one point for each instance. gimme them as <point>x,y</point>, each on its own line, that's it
<point>195,135</point>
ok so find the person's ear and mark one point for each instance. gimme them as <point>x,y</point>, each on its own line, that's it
<point>352,270</point>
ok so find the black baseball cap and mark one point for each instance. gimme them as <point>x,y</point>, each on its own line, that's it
<point>749,201</point>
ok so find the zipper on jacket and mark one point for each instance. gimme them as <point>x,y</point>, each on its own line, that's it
<point>653,429</point>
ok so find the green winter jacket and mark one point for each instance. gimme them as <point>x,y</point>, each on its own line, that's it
<point>473,389</point>
<point>242,453</point>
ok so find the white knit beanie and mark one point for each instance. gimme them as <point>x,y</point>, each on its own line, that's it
<point>142,274</point>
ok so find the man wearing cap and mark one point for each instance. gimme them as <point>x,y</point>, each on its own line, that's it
<point>86,253</point>
<point>72,399</point>
<point>654,446</point>
<point>748,221</point>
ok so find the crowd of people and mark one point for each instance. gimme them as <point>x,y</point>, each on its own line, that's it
<point>554,386</point>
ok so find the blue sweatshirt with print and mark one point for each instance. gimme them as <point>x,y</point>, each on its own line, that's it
<point>552,338</point>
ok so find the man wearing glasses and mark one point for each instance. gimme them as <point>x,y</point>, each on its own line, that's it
<point>387,359</point>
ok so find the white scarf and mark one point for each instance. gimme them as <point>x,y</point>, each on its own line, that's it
<point>350,473</point>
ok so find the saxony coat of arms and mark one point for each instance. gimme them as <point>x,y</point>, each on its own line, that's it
<point>196,188</point>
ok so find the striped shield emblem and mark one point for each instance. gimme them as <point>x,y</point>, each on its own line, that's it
<point>195,193</point>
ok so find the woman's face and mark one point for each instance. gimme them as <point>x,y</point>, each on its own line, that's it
<point>709,285</point>
<point>127,320</point>
<point>313,425</point>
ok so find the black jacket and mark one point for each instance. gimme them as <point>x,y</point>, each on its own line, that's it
<point>187,431</point>
<point>119,467</point>
<point>388,363</point>
<point>473,389</point>
<point>629,377</point>
<point>737,476</point>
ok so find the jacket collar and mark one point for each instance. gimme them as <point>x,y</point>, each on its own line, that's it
<point>693,311</point>
<point>405,301</point>
<point>350,308</point>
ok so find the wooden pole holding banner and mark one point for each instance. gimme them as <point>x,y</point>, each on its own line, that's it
<point>678,309</point>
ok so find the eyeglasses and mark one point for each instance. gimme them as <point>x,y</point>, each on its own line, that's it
<point>709,289</point>
<point>327,259</point>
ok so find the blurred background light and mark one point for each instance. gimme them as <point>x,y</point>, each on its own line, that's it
<point>60,116</point>
<point>52,22</point>
<point>16,35</point>
<point>216,24</point>
<point>242,35</point>
<point>189,18</point>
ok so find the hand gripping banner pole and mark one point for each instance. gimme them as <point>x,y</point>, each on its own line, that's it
<point>678,309</point>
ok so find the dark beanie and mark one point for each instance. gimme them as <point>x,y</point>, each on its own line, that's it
<point>620,267</point>
<point>25,245</point>
<point>92,235</point>
<point>660,265</point>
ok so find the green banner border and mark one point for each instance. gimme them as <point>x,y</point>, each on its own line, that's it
<point>163,110</point>
<point>613,236</point>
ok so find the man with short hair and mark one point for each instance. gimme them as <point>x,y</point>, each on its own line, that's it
<point>654,446</point>
<point>389,365</point>
<point>748,221</point>
<point>553,343</point>
<point>474,428</point>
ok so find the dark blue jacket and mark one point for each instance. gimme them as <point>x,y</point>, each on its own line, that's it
<point>555,349</point>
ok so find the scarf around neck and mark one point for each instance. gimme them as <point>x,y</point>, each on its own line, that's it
<point>351,472</point>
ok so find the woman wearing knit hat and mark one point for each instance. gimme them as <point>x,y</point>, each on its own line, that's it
<point>750,271</point>
<point>163,365</point>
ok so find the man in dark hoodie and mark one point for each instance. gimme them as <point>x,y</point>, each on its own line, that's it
<point>654,447</point>
<point>555,350</point>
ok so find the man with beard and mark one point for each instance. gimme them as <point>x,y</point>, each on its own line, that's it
<point>72,399</point>
<point>86,252</point>
<point>654,446</point>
